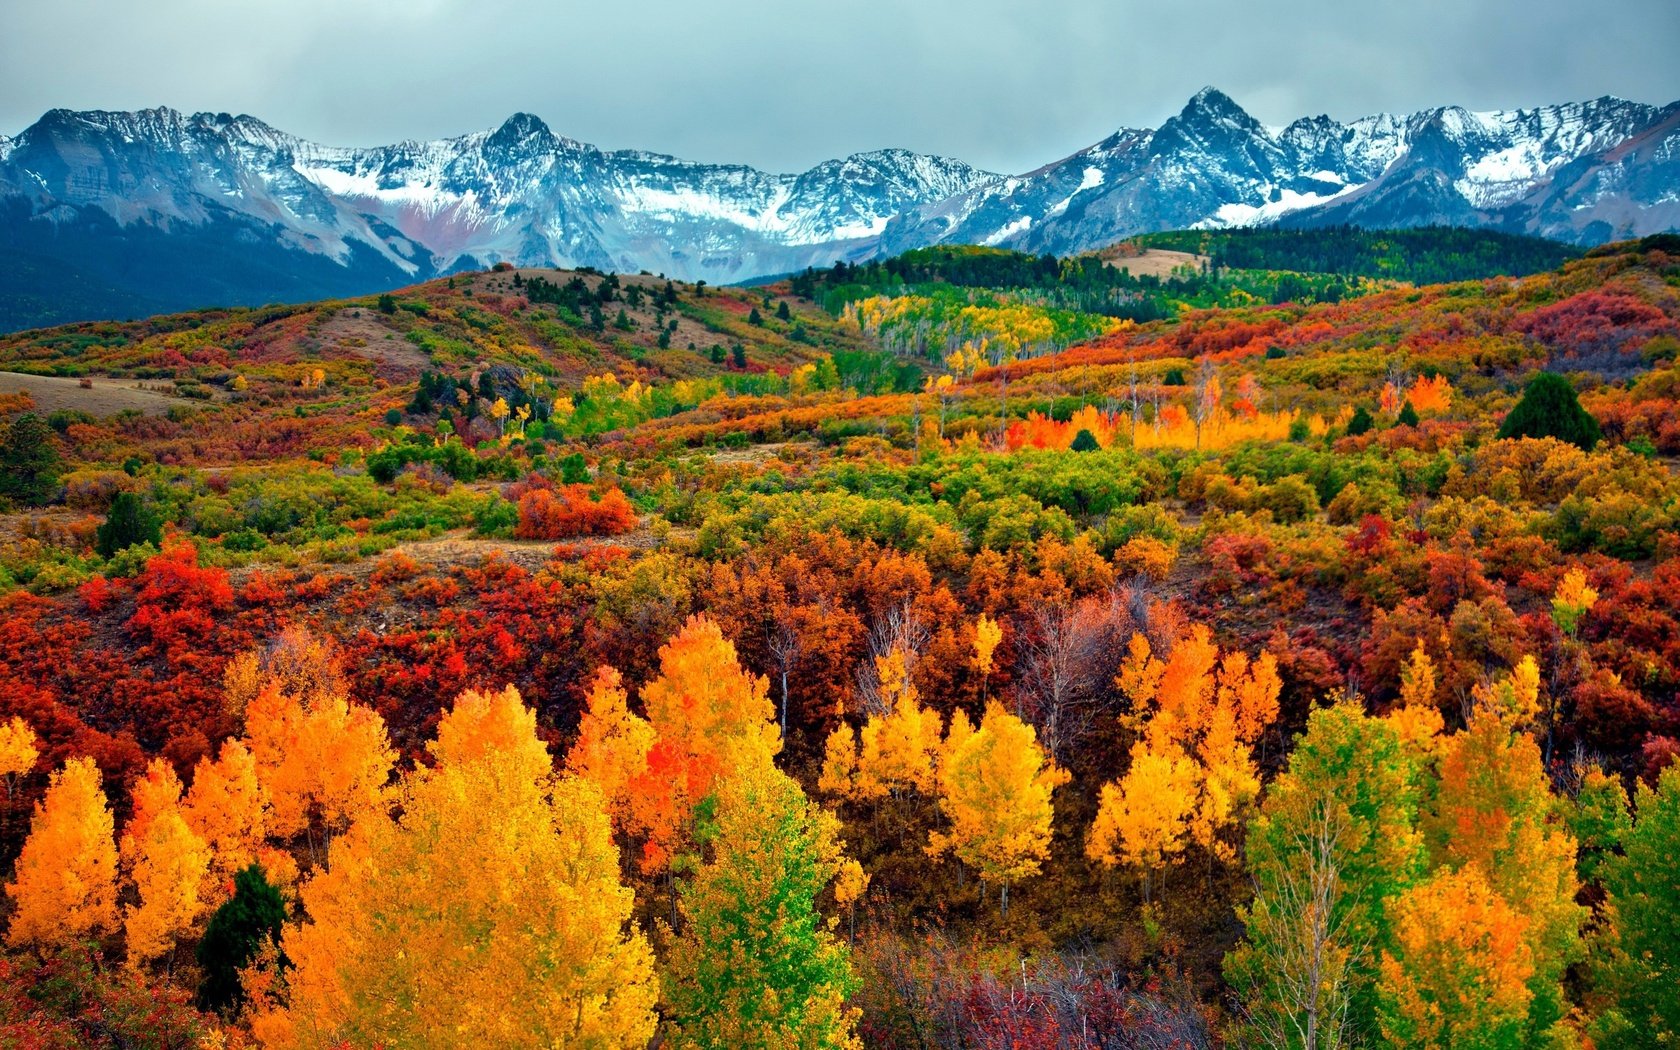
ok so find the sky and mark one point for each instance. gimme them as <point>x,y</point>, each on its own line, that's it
<point>781,85</point>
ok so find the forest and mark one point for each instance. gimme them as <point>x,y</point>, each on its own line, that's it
<point>930,652</point>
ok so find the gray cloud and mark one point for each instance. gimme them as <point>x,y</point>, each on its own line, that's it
<point>1006,85</point>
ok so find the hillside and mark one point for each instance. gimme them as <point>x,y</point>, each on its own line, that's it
<point>978,518</point>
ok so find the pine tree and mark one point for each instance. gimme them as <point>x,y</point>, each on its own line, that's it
<point>1549,408</point>
<point>129,522</point>
<point>30,462</point>
<point>239,932</point>
<point>1361,423</point>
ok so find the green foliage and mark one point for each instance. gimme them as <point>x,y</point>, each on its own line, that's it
<point>1427,255</point>
<point>1637,966</point>
<point>757,965</point>
<point>1408,416</point>
<point>1335,843</point>
<point>1084,441</point>
<point>239,931</point>
<point>30,463</point>
<point>1361,423</point>
<point>1549,408</point>
<point>129,522</point>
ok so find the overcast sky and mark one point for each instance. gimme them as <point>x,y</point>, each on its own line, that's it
<point>781,85</point>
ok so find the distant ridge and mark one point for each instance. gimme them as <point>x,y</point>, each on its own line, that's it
<point>159,210</point>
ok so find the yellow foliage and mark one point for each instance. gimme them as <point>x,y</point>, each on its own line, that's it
<point>224,807</point>
<point>1459,973</point>
<point>995,789</point>
<point>839,762</point>
<point>170,865</point>
<point>155,793</point>
<point>326,764</point>
<point>65,885</point>
<point>481,724</point>
<point>1572,600</point>
<point>1515,696</point>
<point>612,743</point>
<point>18,750</point>
<point>851,883</point>
<point>1143,819</point>
<point>987,634</point>
<point>897,750</point>
<point>490,913</point>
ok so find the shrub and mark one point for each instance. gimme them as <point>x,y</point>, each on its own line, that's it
<point>546,514</point>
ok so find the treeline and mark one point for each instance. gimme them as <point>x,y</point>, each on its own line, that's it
<point>1428,255</point>
<point>1084,283</point>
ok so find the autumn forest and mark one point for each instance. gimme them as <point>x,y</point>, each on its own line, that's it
<point>1270,643</point>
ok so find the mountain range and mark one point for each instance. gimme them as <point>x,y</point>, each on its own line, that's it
<point>116,214</point>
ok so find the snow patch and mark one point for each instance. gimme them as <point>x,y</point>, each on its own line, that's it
<point>1021,225</point>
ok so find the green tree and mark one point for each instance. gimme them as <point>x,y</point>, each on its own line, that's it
<point>1084,441</point>
<point>239,931</point>
<point>1334,844</point>
<point>782,312</point>
<point>387,305</point>
<point>1408,416</point>
<point>1637,970</point>
<point>755,318</point>
<point>1361,423</point>
<point>30,462</point>
<point>129,522</point>
<point>1549,408</point>
<point>757,965</point>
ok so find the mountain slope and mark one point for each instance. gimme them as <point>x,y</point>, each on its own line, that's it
<point>165,210</point>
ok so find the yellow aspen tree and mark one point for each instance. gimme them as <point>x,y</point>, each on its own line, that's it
<point>1417,719</point>
<point>987,634</point>
<point>995,789</point>
<point>169,869</point>
<point>489,913</point>
<point>898,750</point>
<point>481,724</point>
<point>158,791</point>
<point>708,715</point>
<point>1514,696</point>
<point>1573,599</point>
<point>65,884</point>
<point>1143,819</point>
<point>1494,809</point>
<point>319,766</point>
<point>1460,969</point>
<point>224,807</point>
<point>19,751</point>
<point>612,745</point>
<point>839,768</point>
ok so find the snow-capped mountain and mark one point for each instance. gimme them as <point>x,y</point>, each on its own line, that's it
<point>1585,173</point>
<point>162,210</point>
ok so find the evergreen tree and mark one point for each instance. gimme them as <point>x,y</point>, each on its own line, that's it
<point>1084,441</point>
<point>1408,416</point>
<point>739,354</point>
<point>1549,408</point>
<point>128,523</point>
<point>237,934</point>
<point>755,318</point>
<point>573,470</point>
<point>782,312</point>
<point>1361,422</point>
<point>29,461</point>
<point>387,305</point>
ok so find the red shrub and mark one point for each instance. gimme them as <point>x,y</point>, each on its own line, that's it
<point>568,511</point>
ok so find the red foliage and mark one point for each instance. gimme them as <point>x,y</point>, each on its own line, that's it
<point>561,513</point>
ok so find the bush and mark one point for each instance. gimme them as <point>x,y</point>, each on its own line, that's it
<point>549,514</point>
